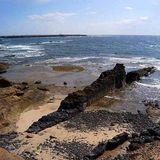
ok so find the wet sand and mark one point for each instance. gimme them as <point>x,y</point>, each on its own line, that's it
<point>47,75</point>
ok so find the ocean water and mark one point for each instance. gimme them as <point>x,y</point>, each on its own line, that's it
<point>96,53</point>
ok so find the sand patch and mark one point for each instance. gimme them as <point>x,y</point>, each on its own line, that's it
<point>69,68</point>
<point>28,117</point>
<point>90,137</point>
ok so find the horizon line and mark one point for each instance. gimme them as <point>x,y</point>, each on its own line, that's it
<point>65,35</point>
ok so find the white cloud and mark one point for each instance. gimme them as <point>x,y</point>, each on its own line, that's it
<point>144,18</point>
<point>128,8</point>
<point>123,26</point>
<point>91,13</point>
<point>55,16</point>
<point>42,1</point>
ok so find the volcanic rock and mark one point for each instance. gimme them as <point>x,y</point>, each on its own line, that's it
<point>4,83</point>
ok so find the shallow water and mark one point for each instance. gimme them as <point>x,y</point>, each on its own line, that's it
<point>95,53</point>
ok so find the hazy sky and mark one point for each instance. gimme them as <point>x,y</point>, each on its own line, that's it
<point>80,16</point>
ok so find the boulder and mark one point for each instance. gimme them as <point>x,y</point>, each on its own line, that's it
<point>3,67</point>
<point>4,83</point>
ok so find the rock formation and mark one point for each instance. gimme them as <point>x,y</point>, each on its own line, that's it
<point>136,140</point>
<point>78,101</point>
<point>136,75</point>
<point>4,83</point>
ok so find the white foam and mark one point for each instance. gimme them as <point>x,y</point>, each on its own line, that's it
<point>68,59</point>
<point>52,42</point>
<point>149,85</point>
<point>140,61</point>
<point>28,54</point>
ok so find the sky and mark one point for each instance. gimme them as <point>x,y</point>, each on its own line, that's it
<point>93,17</point>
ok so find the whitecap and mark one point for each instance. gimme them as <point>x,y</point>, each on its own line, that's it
<point>149,85</point>
<point>68,59</point>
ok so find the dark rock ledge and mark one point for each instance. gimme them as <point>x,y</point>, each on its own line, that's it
<point>136,140</point>
<point>76,102</point>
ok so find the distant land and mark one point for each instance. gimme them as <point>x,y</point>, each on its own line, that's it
<point>31,36</point>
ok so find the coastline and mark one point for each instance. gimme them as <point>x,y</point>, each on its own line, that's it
<point>99,122</point>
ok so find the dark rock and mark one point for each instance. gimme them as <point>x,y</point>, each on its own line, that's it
<point>38,82</point>
<point>65,83</point>
<point>29,136</point>
<point>48,121</point>
<point>3,67</point>
<point>25,83</point>
<point>146,136</point>
<point>106,146</point>
<point>134,146</point>
<point>136,75</point>
<point>77,102</point>
<point>107,81</point>
<point>4,83</point>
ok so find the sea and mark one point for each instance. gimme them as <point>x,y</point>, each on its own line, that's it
<point>96,53</point>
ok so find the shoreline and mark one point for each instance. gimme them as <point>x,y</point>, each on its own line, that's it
<point>78,76</point>
<point>77,136</point>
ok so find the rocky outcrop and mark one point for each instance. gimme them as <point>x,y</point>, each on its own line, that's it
<point>107,146</point>
<point>77,101</point>
<point>147,136</point>
<point>136,75</point>
<point>3,67</point>
<point>136,140</point>
<point>108,80</point>
<point>4,83</point>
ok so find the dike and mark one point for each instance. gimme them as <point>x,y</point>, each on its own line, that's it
<point>77,102</point>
